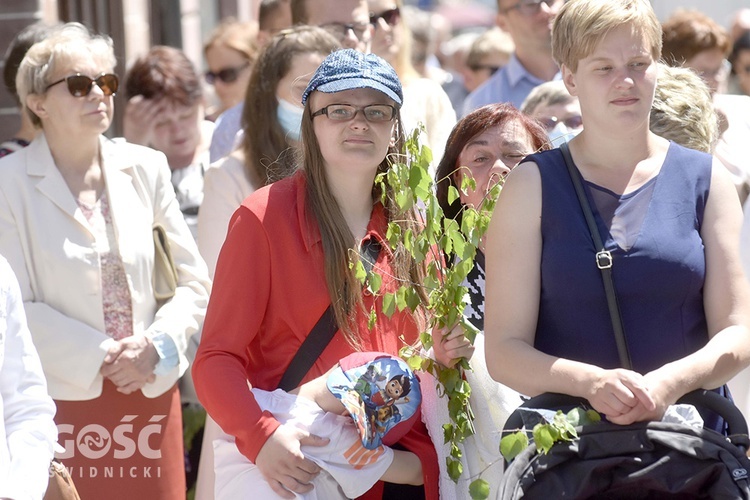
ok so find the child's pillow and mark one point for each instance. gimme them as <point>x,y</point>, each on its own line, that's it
<point>381,394</point>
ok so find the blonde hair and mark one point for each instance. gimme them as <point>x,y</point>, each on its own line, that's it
<point>62,45</point>
<point>338,241</point>
<point>683,110</point>
<point>581,24</point>
<point>238,36</point>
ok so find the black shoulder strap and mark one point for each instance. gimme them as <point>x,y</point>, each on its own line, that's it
<point>312,347</point>
<point>603,260</point>
<point>323,331</point>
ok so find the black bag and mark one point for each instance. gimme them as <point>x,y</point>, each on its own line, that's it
<point>646,460</point>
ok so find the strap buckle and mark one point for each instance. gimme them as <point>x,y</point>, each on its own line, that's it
<point>603,259</point>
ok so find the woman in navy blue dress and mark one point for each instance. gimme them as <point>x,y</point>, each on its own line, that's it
<point>668,215</point>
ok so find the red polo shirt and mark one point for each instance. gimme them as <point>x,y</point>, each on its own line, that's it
<point>268,292</point>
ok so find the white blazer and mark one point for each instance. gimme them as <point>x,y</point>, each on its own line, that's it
<point>27,431</point>
<point>50,246</point>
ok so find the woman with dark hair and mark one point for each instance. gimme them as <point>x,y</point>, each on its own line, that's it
<point>166,111</point>
<point>271,123</point>
<point>286,260</point>
<point>485,145</point>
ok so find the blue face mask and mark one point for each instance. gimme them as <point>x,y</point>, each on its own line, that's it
<point>561,133</point>
<point>290,118</point>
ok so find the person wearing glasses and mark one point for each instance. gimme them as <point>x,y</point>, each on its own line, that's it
<point>77,212</point>
<point>230,52</point>
<point>529,24</point>
<point>559,112</point>
<point>300,233</point>
<point>347,20</point>
<point>694,40</point>
<point>166,111</point>
<point>425,101</point>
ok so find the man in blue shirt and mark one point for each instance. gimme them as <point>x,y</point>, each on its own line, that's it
<point>529,23</point>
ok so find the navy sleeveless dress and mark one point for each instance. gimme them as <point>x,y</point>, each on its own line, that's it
<point>659,279</point>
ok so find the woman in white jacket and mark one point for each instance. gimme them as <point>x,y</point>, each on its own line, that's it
<point>27,431</point>
<point>77,213</point>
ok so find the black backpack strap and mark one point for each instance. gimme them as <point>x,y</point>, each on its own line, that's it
<point>603,261</point>
<point>312,347</point>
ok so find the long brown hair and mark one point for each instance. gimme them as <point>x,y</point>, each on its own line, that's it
<point>268,154</point>
<point>338,241</point>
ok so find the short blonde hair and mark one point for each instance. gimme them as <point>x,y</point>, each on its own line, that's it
<point>683,110</point>
<point>64,44</point>
<point>581,24</point>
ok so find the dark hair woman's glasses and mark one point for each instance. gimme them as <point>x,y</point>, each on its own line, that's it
<point>390,16</point>
<point>80,85</point>
<point>226,75</point>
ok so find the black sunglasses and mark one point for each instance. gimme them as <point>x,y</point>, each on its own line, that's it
<point>80,85</point>
<point>390,16</point>
<point>226,75</point>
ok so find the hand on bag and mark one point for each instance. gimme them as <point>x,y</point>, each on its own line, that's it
<point>617,393</point>
<point>284,466</point>
<point>140,117</point>
<point>450,345</point>
<point>130,363</point>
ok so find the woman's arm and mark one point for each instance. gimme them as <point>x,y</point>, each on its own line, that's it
<point>513,287</point>
<point>29,430</point>
<point>224,189</point>
<point>405,469</point>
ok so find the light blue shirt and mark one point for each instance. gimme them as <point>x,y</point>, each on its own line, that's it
<point>228,124</point>
<point>512,83</point>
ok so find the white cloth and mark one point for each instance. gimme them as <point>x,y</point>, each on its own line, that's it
<point>348,468</point>
<point>49,244</point>
<point>732,147</point>
<point>225,187</point>
<point>426,102</point>
<point>27,431</point>
<point>492,404</point>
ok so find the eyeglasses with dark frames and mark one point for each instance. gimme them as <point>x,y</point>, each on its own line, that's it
<point>374,113</point>
<point>390,16</point>
<point>341,30</point>
<point>530,7</point>
<point>80,85</point>
<point>226,75</point>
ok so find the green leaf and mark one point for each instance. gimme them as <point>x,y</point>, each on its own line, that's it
<point>479,489</point>
<point>455,469</point>
<point>374,281</point>
<point>359,271</point>
<point>545,436</point>
<point>513,444</point>
<point>389,304</point>
<point>372,319</point>
<point>453,194</point>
